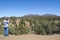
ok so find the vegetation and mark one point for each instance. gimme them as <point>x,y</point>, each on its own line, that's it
<point>44,25</point>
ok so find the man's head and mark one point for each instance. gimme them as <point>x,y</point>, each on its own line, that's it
<point>5,18</point>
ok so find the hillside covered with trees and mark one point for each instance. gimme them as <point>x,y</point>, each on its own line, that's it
<point>33,24</point>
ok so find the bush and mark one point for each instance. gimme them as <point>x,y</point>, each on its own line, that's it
<point>11,30</point>
<point>48,29</point>
<point>1,29</point>
<point>23,29</point>
<point>39,30</point>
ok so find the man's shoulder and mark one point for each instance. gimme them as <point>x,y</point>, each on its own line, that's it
<point>4,20</point>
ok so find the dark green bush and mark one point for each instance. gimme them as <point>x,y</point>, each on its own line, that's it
<point>48,29</point>
<point>23,29</point>
<point>39,30</point>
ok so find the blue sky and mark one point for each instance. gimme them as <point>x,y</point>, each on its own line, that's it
<point>24,7</point>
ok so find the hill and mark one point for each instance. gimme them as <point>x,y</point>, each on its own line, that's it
<point>53,15</point>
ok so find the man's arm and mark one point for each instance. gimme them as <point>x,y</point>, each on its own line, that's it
<point>8,21</point>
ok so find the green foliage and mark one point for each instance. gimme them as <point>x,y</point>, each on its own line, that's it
<point>1,29</point>
<point>58,25</point>
<point>38,29</point>
<point>13,19</point>
<point>48,29</point>
<point>11,30</point>
<point>42,25</point>
<point>23,29</point>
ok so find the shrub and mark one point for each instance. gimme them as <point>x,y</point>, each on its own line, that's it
<point>11,30</point>
<point>48,29</point>
<point>23,29</point>
<point>1,29</point>
<point>39,30</point>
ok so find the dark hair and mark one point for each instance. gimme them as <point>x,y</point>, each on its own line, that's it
<point>5,18</point>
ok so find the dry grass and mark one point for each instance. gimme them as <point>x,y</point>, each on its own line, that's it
<point>30,37</point>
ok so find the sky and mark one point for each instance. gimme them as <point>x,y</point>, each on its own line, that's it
<point>25,7</point>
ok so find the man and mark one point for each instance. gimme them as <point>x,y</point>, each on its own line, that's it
<point>5,21</point>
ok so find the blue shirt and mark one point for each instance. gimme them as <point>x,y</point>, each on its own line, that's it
<point>5,23</point>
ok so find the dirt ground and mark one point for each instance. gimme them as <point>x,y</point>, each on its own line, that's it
<point>30,37</point>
